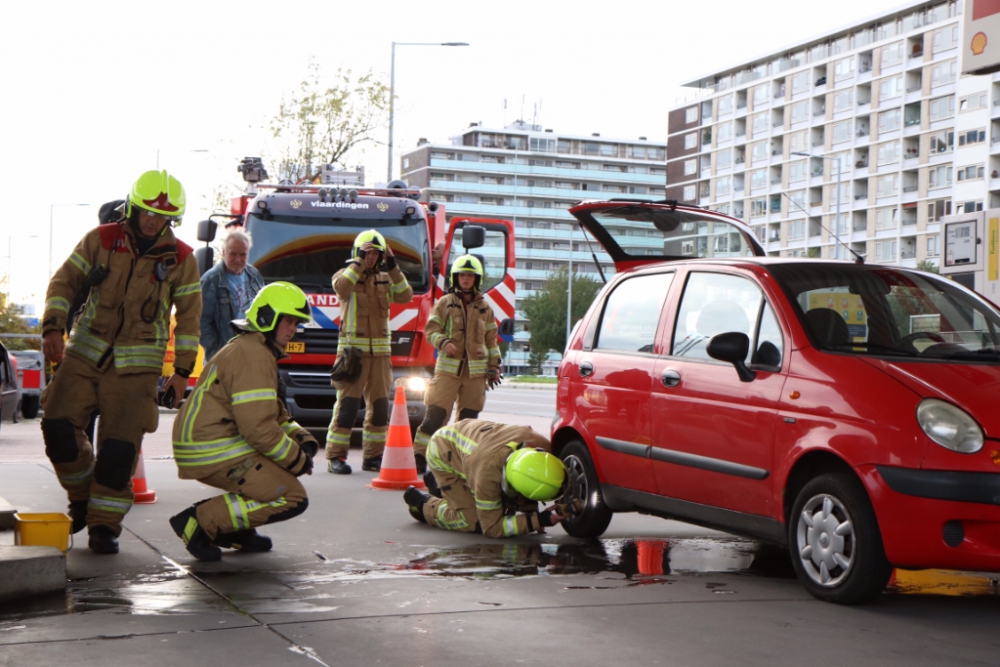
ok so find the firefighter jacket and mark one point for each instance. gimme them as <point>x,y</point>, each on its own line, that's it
<point>364,306</point>
<point>477,451</point>
<point>473,330</point>
<point>126,318</point>
<point>235,410</point>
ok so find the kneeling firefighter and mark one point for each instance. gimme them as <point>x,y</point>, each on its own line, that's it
<point>234,433</point>
<point>127,276</point>
<point>463,328</point>
<point>490,478</point>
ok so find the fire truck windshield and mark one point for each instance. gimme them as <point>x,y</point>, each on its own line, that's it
<point>308,251</point>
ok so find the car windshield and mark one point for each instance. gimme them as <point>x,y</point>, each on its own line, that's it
<point>883,311</point>
<point>307,251</point>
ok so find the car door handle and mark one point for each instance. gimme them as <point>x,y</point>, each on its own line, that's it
<point>670,378</point>
<point>586,369</point>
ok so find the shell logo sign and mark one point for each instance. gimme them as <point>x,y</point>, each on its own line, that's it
<point>981,37</point>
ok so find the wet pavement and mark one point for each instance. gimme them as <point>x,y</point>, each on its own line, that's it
<point>356,581</point>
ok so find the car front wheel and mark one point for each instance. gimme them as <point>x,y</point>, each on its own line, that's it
<point>29,407</point>
<point>835,543</point>
<point>581,477</point>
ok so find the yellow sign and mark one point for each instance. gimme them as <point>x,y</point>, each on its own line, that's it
<point>295,347</point>
<point>992,252</point>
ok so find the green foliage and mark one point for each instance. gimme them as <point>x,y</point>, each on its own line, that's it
<point>812,252</point>
<point>927,265</point>
<point>537,359</point>
<point>323,121</point>
<point>12,322</point>
<point>546,309</point>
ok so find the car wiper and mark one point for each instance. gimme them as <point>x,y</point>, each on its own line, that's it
<point>876,347</point>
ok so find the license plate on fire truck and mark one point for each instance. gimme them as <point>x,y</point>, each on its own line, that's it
<point>295,347</point>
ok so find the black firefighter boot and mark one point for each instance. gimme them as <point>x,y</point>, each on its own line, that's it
<point>78,512</point>
<point>415,500</point>
<point>248,541</point>
<point>338,466</point>
<point>103,540</point>
<point>374,464</point>
<point>198,543</point>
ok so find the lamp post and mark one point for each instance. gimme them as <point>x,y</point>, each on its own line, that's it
<point>836,234</point>
<point>392,85</point>
<point>52,208</point>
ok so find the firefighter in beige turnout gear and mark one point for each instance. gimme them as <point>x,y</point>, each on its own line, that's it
<point>365,292</point>
<point>132,273</point>
<point>463,328</point>
<point>234,433</point>
<point>490,477</point>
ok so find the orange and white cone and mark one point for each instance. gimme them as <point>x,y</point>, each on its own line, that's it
<point>143,494</point>
<point>399,468</point>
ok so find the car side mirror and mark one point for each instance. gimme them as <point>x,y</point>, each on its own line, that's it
<point>507,327</point>
<point>732,347</point>
<point>473,236</point>
<point>205,258</point>
<point>206,230</point>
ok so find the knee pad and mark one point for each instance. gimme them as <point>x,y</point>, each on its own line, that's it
<point>468,413</point>
<point>114,464</point>
<point>348,412</point>
<point>380,412</point>
<point>434,419</point>
<point>290,513</point>
<point>60,440</point>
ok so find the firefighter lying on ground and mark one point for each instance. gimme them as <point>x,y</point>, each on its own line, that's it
<point>132,273</point>
<point>235,434</point>
<point>490,478</point>
<point>365,291</point>
<point>464,330</point>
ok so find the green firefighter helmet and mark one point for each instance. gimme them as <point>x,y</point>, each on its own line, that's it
<point>376,239</point>
<point>535,474</point>
<point>275,300</point>
<point>470,264</point>
<point>158,192</point>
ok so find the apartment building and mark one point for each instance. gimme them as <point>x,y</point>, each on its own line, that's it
<point>532,175</point>
<point>882,102</point>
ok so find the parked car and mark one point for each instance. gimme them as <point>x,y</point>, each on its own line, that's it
<point>9,394</point>
<point>31,380</point>
<point>845,411</point>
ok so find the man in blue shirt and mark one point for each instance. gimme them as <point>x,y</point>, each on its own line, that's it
<point>227,289</point>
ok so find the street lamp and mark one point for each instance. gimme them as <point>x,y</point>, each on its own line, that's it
<point>52,208</point>
<point>392,84</point>
<point>836,234</point>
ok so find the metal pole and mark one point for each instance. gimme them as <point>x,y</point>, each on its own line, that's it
<point>569,289</point>
<point>838,205</point>
<point>392,98</point>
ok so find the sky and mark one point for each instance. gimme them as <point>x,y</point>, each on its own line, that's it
<point>94,93</point>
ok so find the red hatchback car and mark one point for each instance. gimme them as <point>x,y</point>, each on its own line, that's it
<point>847,411</point>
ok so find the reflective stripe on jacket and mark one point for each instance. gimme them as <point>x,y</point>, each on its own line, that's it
<point>235,411</point>
<point>364,307</point>
<point>472,329</point>
<point>477,451</point>
<point>113,322</point>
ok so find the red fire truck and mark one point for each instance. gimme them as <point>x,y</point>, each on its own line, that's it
<point>303,234</point>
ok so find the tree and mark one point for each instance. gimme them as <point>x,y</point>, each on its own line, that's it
<point>536,359</point>
<point>12,322</point>
<point>322,122</point>
<point>546,309</point>
<point>927,265</point>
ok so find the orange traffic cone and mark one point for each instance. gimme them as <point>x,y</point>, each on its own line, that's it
<point>399,468</point>
<point>143,495</point>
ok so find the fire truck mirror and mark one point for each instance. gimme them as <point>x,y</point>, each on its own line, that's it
<point>205,258</point>
<point>473,236</point>
<point>507,327</point>
<point>206,230</point>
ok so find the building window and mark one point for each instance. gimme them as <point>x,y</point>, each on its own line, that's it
<point>689,192</point>
<point>932,245</point>
<point>971,102</point>
<point>758,207</point>
<point>760,95</point>
<point>758,179</point>
<point>724,159</point>
<point>691,114</point>
<point>760,122</point>
<point>889,88</point>
<point>799,198</point>
<point>843,101</point>
<point>724,132</point>
<point>971,137</point>
<point>843,69</point>
<point>946,39</point>
<point>690,141</point>
<point>888,153</point>
<point>968,207</point>
<point>885,251</point>
<point>970,173</point>
<point>800,82</point>
<point>758,151</point>
<point>887,186</point>
<point>888,121</point>
<point>842,132</point>
<point>725,104</point>
<point>885,218</point>
<point>892,54</point>
<point>797,171</point>
<point>942,142</point>
<point>800,111</point>
<point>938,209</point>
<point>940,177</point>
<point>944,73</point>
<point>690,167</point>
<point>722,187</point>
<point>796,230</point>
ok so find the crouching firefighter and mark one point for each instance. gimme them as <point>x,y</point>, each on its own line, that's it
<point>128,275</point>
<point>234,433</point>
<point>365,287</point>
<point>464,330</point>
<point>490,478</point>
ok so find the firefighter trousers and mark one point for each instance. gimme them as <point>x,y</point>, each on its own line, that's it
<point>456,509</point>
<point>128,410</point>
<point>374,384</point>
<point>258,491</point>
<point>442,392</point>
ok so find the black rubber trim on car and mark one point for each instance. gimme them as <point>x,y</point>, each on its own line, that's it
<point>683,459</point>
<point>755,526</point>
<point>965,487</point>
<point>623,447</point>
<point>706,463</point>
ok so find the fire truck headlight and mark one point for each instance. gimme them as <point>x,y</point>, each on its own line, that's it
<point>353,194</point>
<point>416,384</point>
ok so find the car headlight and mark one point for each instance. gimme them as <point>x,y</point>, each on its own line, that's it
<point>949,426</point>
<point>416,383</point>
